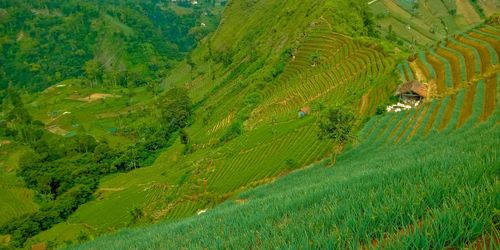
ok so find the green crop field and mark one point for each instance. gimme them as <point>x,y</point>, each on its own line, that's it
<point>275,141</point>
<point>223,145</point>
<point>378,194</point>
<point>459,113</point>
<point>15,199</point>
<point>423,22</point>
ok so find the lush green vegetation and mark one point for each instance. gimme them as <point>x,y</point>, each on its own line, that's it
<point>421,23</point>
<point>376,195</point>
<point>384,162</point>
<point>226,144</point>
<point>128,43</point>
<point>158,122</point>
<point>65,171</point>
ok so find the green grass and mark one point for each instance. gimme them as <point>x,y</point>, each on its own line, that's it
<point>403,197</point>
<point>15,200</point>
<point>430,21</point>
<point>274,142</point>
<point>370,192</point>
<point>331,202</point>
<point>95,118</point>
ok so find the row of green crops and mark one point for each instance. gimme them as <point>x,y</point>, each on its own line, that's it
<point>437,192</point>
<point>408,183</point>
<point>461,60</point>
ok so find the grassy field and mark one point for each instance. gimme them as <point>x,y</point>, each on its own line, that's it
<point>424,22</point>
<point>179,184</point>
<point>73,107</point>
<point>15,199</point>
<point>378,194</point>
<point>257,90</point>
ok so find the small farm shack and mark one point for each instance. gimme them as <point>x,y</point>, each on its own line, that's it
<point>304,111</point>
<point>412,91</point>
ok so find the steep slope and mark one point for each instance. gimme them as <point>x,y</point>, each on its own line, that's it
<point>415,202</point>
<point>16,199</point>
<point>127,43</point>
<point>423,22</point>
<point>423,178</point>
<point>405,195</point>
<point>248,82</point>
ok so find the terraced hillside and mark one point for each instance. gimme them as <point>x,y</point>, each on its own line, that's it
<point>418,179</point>
<point>462,73</point>
<point>423,22</point>
<point>328,68</point>
<point>248,82</point>
<point>275,140</point>
<point>16,200</point>
<point>456,61</point>
<point>466,74</point>
<point>369,199</point>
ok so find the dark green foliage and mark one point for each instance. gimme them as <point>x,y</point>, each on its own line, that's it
<point>136,214</point>
<point>65,171</point>
<point>478,8</point>
<point>315,58</point>
<point>236,127</point>
<point>52,213</point>
<point>175,109</point>
<point>116,42</point>
<point>337,124</point>
<point>280,67</point>
<point>381,109</point>
<point>234,130</point>
<point>184,137</point>
<point>225,57</point>
<point>291,164</point>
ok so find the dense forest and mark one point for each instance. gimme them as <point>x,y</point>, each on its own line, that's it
<point>118,42</point>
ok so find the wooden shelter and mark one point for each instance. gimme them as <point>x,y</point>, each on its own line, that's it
<point>412,90</point>
<point>304,111</point>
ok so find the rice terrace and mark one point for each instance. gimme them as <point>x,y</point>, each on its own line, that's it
<point>249,124</point>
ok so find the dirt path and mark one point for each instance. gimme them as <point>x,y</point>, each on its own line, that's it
<point>93,97</point>
<point>110,189</point>
<point>469,59</point>
<point>440,73</point>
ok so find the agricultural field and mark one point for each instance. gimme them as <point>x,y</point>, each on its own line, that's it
<point>331,200</point>
<point>490,7</point>
<point>178,185</point>
<point>423,22</point>
<point>463,72</point>
<point>15,199</point>
<point>70,107</point>
<point>230,142</point>
<point>414,202</point>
